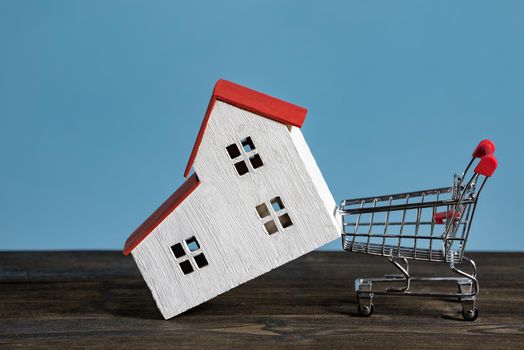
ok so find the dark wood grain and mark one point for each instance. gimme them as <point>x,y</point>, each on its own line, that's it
<point>99,300</point>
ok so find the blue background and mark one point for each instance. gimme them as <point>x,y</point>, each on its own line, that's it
<point>100,103</point>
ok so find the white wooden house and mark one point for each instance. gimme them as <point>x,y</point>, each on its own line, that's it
<point>255,201</point>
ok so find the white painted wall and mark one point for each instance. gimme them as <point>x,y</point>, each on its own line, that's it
<point>221,212</point>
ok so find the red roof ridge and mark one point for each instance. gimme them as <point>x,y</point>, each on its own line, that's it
<point>252,101</point>
<point>161,213</point>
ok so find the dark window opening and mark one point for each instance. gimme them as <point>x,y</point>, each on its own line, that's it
<point>271,227</point>
<point>273,214</point>
<point>244,155</point>
<point>186,267</point>
<point>262,210</point>
<point>178,250</point>
<point>193,249</point>
<point>256,161</point>
<point>233,151</point>
<point>201,260</point>
<point>285,220</point>
<point>241,168</point>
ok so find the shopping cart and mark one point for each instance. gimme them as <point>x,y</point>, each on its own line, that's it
<point>431,225</point>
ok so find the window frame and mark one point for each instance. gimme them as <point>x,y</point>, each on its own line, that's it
<point>245,156</point>
<point>274,215</point>
<point>189,254</point>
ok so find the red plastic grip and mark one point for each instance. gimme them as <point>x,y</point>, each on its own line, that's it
<point>484,148</point>
<point>440,217</point>
<point>487,165</point>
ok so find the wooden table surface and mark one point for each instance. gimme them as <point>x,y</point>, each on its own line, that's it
<point>98,299</point>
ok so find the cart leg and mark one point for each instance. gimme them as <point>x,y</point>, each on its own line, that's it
<point>363,288</point>
<point>469,287</point>
<point>405,276</point>
<point>464,286</point>
<point>470,312</point>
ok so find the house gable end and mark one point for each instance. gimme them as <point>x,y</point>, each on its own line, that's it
<point>252,101</point>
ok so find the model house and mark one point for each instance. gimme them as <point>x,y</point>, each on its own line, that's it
<point>255,200</point>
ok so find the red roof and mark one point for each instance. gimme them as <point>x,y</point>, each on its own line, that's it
<point>161,213</point>
<point>252,101</point>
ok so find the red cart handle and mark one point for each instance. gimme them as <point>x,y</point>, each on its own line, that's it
<point>487,165</point>
<point>484,148</point>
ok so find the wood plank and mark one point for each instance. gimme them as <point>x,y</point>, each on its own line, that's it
<point>99,300</point>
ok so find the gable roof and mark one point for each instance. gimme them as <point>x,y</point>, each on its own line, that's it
<point>252,101</point>
<point>161,213</point>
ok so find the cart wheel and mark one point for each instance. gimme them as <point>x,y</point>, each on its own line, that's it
<point>365,310</point>
<point>471,314</point>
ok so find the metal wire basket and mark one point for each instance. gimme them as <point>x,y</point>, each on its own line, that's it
<point>431,225</point>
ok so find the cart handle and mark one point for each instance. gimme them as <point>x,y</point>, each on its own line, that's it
<point>487,165</point>
<point>484,148</point>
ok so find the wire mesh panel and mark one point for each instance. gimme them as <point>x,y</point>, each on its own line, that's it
<point>428,225</point>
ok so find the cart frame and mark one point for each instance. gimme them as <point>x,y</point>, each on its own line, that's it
<point>439,229</point>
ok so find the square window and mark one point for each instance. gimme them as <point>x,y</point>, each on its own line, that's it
<point>285,220</point>
<point>256,161</point>
<point>186,267</point>
<point>248,144</point>
<point>262,210</point>
<point>277,204</point>
<point>271,227</point>
<point>233,151</point>
<point>201,260</point>
<point>192,244</point>
<point>178,250</point>
<point>241,168</point>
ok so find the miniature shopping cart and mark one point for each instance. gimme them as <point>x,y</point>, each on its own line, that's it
<point>431,225</point>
